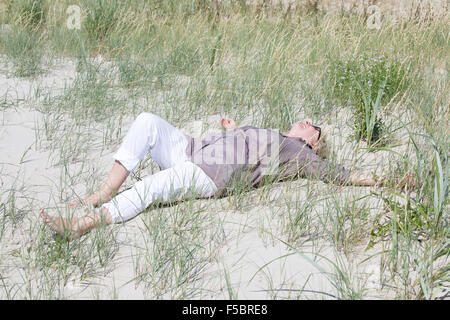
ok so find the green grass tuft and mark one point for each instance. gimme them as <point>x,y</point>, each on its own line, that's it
<point>369,83</point>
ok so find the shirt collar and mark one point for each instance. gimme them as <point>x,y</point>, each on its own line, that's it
<point>297,138</point>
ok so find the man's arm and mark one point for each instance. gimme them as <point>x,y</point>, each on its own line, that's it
<point>369,179</point>
<point>305,162</point>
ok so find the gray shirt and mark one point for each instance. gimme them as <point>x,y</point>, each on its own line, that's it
<point>246,157</point>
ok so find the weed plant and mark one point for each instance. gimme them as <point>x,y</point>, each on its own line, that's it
<point>30,14</point>
<point>176,254</point>
<point>369,83</point>
<point>101,18</point>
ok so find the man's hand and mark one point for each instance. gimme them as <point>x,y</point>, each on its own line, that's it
<point>407,181</point>
<point>365,179</point>
<point>368,179</point>
<point>228,123</point>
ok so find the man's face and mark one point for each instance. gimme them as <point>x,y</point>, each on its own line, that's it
<point>306,131</point>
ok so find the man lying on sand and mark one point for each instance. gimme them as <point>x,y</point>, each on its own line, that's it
<point>203,168</point>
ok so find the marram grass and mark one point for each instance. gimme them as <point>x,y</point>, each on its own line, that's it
<point>186,60</point>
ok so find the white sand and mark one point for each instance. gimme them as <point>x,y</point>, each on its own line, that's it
<point>249,252</point>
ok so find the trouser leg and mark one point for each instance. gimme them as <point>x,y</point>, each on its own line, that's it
<point>183,180</point>
<point>150,133</point>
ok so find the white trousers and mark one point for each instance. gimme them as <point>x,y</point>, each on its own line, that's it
<point>178,178</point>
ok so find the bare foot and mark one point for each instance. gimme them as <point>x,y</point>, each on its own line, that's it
<point>69,228</point>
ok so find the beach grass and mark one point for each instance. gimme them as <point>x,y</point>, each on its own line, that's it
<point>262,65</point>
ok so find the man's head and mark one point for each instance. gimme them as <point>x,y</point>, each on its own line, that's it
<point>306,131</point>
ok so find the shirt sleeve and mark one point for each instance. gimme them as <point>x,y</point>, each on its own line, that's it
<point>308,164</point>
